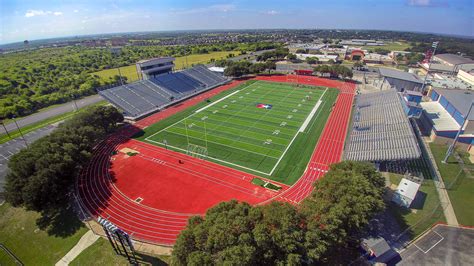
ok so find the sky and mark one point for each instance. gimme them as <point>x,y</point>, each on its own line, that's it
<point>37,19</point>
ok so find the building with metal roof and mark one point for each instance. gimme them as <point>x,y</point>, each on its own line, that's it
<point>381,130</point>
<point>448,63</point>
<point>447,113</point>
<point>399,80</point>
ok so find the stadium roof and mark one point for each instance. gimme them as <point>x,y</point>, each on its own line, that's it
<point>381,130</point>
<point>460,99</point>
<point>454,59</point>
<point>396,74</point>
<point>440,118</point>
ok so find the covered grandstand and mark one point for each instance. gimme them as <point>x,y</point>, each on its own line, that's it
<point>381,130</point>
<point>144,97</point>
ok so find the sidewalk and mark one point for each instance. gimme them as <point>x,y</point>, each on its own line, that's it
<point>86,241</point>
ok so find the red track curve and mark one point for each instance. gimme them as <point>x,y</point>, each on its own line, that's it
<point>100,194</point>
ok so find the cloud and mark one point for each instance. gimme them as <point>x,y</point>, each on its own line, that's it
<point>75,11</point>
<point>427,3</point>
<point>271,12</point>
<point>214,8</point>
<point>33,13</point>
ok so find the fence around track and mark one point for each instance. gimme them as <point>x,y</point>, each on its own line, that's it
<point>97,196</point>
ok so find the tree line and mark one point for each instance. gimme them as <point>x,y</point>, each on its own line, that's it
<point>34,79</point>
<point>324,229</point>
<point>42,176</point>
<point>334,71</point>
<point>242,68</point>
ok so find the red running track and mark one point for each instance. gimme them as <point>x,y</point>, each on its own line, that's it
<point>172,192</point>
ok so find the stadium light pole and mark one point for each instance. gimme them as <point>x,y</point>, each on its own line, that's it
<point>451,147</point>
<point>435,46</point>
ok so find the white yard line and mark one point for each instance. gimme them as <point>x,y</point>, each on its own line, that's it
<point>291,142</point>
<point>311,114</point>
<point>209,105</point>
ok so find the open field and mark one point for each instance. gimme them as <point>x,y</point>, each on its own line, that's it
<point>235,132</point>
<point>391,46</point>
<point>459,184</point>
<point>131,72</point>
<point>19,233</point>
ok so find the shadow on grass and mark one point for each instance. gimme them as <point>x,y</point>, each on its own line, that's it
<point>60,223</point>
<point>150,260</point>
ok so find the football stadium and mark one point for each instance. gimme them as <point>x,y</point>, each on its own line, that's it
<point>197,138</point>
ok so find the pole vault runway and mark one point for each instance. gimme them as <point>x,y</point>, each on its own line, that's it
<point>152,193</point>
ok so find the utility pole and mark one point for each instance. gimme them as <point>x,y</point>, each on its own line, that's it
<point>435,46</point>
<point>451,148</point>
<point>19,130</point>
<point>8,134</point>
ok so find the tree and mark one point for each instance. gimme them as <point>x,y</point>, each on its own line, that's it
<point>42,175</point>
<point>312,60</point>
<point>291,57</point>
<point>235,233</point>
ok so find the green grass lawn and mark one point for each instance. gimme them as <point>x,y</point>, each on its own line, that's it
<point>19,233</point>
<point>101,253</point>
<point>31,127</point>
<point>257,140</point>
<point>131,72</point>
<point>391,46</point>
<point>460,185</point>
<point>422,214</point>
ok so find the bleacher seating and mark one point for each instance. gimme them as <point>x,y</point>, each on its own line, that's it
<point>146,96</point>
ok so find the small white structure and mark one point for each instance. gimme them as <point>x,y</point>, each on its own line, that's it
<point>217,69</point>
<point>405,193</point>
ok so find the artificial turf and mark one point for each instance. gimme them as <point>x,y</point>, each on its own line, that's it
<point>230,129</point>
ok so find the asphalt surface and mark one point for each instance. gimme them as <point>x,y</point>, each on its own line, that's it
<point>443,245</point>
<point>60,109</point>
<point>11,147</point>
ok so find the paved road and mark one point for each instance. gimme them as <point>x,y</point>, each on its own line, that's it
<point>61,109</point>
<point>11,147</point>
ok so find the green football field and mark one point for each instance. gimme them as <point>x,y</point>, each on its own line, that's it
<point>251,128</point>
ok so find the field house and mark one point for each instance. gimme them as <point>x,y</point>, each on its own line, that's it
<point>198,138</point>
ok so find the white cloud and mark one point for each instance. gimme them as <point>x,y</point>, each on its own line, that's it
<point>33,13</point>
<point>214,8</point>
<point>272,12</point>
<point>427,3</point>
<point>75,11</point>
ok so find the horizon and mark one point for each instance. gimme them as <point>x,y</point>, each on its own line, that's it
<point>38,20</point>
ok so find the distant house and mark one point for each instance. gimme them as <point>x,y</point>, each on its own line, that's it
<point>405,193</point>
<point>378,250</point>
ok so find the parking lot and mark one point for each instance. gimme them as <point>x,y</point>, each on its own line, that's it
<point>442,245</point>
<point>11,147</point>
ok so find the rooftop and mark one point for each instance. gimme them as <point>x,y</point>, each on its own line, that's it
<point>460,99</point>
<point>440,118</point>
<point>407,188</point>
<point>397,74</point>
<point>446,81</point>
<point>454,59</point>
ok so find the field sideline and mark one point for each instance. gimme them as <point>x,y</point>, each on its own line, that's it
<point>232,131</point>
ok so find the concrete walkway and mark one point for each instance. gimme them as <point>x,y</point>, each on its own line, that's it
<point>86,241</point>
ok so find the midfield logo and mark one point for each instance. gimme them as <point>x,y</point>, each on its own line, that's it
<point>264,106</point>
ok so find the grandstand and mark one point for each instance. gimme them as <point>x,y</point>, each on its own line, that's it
<point>144,97</point>
<point>381,131</point>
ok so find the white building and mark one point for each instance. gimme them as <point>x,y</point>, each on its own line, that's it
<point>466,76</point>
<point>405,193</point>
<point>321,57</point>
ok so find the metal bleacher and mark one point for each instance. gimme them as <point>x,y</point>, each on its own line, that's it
<point>143,97</point>
<point>381,130</point>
